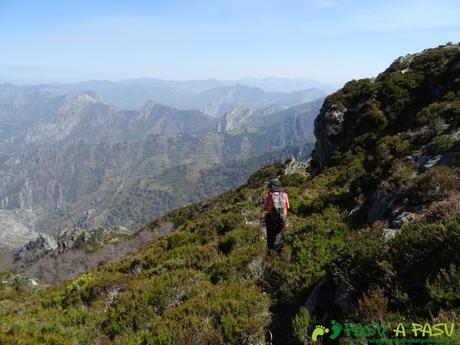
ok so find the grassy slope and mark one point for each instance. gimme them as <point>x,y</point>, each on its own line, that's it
<point>209,281</point>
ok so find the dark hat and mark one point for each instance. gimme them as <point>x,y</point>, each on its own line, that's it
<point>274,184</point>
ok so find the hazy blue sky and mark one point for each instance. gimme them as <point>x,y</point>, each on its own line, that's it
<point>43,41</point>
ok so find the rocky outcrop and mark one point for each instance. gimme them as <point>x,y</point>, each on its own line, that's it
<point>36,249</point>
<point>328,127</point>
<point>370,106</point>
<point>238,113</point>
<point>17,227</point>
<point>293,166</point>
<point>53,261</point>
<point>87,240</point>
<point>326,299</point>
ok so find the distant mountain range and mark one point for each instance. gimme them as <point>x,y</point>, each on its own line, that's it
<point>212,96</point>
<point>72,159</point>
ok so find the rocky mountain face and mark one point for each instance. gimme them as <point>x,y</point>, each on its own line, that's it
<point>18,227</point>
<point>342,121</point>
<point>235,117</point>
<point>373,236</point>
<point>409,119</point>
<point>217,102</point>
<point>295,122</point>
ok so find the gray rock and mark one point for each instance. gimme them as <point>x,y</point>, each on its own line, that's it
<point>329,123</point>
<point>317,296</point>
<point>238,113</point>
<point>326,297</point>
<point>293,166</point>
<point>411,158</point>
<point>256,268</point>
<point>380,206</point>
<point>401,219</point>
<point>427,162</point>
<point>112,295</point>
<point>36,249</point>
<point>343,298</point>
<point>17,228</point>
<point>389,233</point>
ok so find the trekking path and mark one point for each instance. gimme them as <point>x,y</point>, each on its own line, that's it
<point>279,330</point>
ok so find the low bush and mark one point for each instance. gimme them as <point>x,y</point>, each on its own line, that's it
<point>432,185</point>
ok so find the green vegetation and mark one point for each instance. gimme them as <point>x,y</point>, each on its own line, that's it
<point>209,282</point>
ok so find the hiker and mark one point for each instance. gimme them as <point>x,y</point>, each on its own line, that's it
<point>276,205</point>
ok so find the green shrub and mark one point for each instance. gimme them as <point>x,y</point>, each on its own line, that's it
<point>71,293</point>
<point>293,180</point>
<point>430,116</point>
<point>371,120</point>
<point>228,222</point>
<point>220,271</point>
<point>442,144</point>
<point>420,251</point>
<point>300,325</point>
<point>445,289</point>
<point>257,179</point>
<point>451,113</point>
<point>307,251</point>
<point>360,263</point>
<point>435,184</point>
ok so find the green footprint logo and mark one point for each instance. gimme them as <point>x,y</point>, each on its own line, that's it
<point>318,331</point>
<point>336,329</point>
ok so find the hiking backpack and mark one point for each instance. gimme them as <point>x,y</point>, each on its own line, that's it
<point>278,211</point>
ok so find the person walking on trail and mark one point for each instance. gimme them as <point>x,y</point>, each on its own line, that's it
<point>276,205</point>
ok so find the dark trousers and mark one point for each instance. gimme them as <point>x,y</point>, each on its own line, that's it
<point>273,230</point>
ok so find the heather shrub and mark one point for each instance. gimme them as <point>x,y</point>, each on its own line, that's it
<point>445,288</point>
<point>372,306</point>
<point>432,185</point>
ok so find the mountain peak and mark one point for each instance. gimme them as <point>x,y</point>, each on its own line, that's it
<point>403,97</point>
<point>78,100</point>
<point>149,106</point>
<point>403,63</point>
<point>236,115</point>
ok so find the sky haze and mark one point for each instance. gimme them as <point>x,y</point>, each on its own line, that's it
<point>326,40</point>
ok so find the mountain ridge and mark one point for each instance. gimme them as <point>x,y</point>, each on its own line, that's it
<point>212,99</point>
